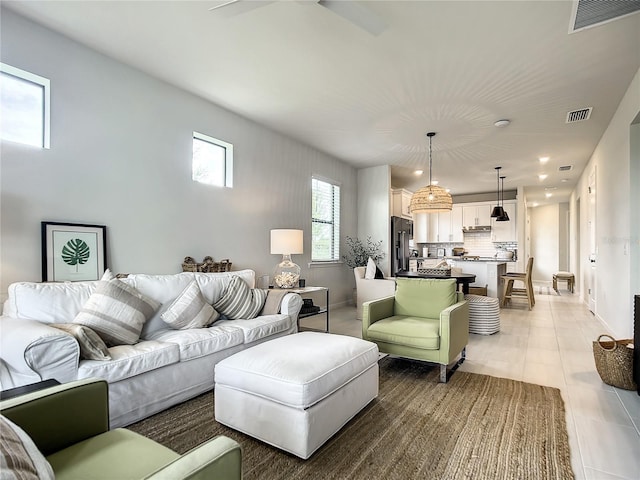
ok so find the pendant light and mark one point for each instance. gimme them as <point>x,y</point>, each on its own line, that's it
<point>432,198</point>
<point>497,211</point>
<point>504,217</point>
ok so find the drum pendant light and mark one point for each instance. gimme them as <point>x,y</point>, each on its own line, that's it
<point>497,211</point>
<point>432,198</point>
<point>504,217</point>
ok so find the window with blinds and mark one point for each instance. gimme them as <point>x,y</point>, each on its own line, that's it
<point>325,221</point>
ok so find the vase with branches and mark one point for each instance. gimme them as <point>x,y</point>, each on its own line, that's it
<point>358,252</point>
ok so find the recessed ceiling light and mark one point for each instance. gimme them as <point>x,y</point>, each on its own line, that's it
<point>418,172</point>
<point>534,204</point>
<point>434,182</point>
<point>548,194</point>
<point>564,180</point>
<point>542,176</point>
<point>543,159</point>
<point>550,188</point>
<point>448,190</point>
<point>502,123</point>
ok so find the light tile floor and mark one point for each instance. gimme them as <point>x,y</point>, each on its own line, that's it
<point>552,345</point>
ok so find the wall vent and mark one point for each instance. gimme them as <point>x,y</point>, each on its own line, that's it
<point>588,13</point>
<point>565,168</point>
<point>579,115</point>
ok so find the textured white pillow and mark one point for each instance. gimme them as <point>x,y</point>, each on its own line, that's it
<point>190,310</point>
<point>91,345</point>
<point>370,272</point>
<point>19,456</point>
<point>116,312</point>
<point>240,301</point>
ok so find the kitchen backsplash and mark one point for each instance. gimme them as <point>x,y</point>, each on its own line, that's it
<point>476,243</point>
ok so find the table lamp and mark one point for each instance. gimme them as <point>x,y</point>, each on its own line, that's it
<point>286,242</point>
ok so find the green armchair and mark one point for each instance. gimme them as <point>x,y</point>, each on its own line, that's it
<point>69,425</point>
<point>426,320</point>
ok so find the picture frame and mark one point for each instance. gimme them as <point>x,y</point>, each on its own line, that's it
<point>73,251</point>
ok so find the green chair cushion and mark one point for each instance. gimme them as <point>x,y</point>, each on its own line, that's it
<point>415,332</point>
<point>424,297</point>
<point>114,454</point>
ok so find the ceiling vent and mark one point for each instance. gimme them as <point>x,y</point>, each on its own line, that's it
<point>565,168</point>
<point>579,115</point>
<point>588,13</point>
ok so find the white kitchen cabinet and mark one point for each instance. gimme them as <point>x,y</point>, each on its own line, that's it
<point>505,231</point>
<point>401,203</point>
<point>420,228</point>
<point>432,228</point>
<point>475,214</point>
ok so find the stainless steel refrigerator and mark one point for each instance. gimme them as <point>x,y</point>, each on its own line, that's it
<point>401,233</point>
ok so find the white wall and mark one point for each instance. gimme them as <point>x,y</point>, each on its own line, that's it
<point>120,156</point>
<point>545,245</point>
<point>615,213</point>
<point>374,209</point>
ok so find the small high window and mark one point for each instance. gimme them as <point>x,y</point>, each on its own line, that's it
<point>325,221</point>
<point>24,101</point>
<point>212,161</point>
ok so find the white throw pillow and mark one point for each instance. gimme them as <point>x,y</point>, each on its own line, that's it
<point>370,272</point>
<point>240,301</point>
<point>190,310</point>
<point>19,456</point>
<point>116,312</point>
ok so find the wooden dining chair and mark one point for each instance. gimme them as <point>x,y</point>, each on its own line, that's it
<point>525,292</point>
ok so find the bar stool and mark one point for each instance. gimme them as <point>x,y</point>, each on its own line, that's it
<point>526,292</point>
<point>564,277</point>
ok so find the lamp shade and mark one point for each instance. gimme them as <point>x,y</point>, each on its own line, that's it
<point>286,241</point>
<point>430,199</point>
<point>497,212</point>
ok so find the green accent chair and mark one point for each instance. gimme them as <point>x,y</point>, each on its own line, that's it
<point>426,320</point>
<point>69,424</point>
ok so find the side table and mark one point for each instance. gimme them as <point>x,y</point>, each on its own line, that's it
<point>305,291</point>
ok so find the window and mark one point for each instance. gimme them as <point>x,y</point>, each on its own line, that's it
<point>212,161</point>
<point>325,221</point>
<point>24,101</point>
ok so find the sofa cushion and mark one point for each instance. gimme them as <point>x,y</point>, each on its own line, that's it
<point>200,342</point>
<point>418,332</point>
<point>117,312</point>
<point>424,297</point>
<point>190,310</point>
<point>240,301</point>
<point>19,456</point>
<point>130,360</point>
<point>91,345</point>
<point>56,302</point>
<point>261,327</point>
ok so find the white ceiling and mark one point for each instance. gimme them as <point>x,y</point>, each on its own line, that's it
<point>453,67</point>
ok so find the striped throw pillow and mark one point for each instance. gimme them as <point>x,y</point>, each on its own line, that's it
<point>240,301</point>
<point>19,456</point>
<point>91,345</point>
<point>116,312</point>
<point>190,310</point>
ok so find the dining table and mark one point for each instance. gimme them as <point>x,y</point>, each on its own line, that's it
<point>462,279</point>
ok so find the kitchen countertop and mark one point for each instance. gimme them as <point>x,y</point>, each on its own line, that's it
<point>460,259</point>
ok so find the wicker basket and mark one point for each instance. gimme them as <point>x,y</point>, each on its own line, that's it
<point>614,362</point>
<point>436,272</point>
<point>208,265</point>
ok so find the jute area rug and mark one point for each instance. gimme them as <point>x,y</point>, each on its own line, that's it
<point>473,427</point>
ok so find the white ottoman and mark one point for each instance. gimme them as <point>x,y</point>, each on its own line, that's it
<point>297,391</point>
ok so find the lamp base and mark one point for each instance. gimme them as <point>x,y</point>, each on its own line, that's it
<point>286,274</point>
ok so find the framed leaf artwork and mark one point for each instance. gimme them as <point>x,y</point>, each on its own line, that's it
<point>73,251</point>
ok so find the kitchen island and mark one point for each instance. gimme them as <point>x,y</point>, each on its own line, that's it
<point>488,272</point>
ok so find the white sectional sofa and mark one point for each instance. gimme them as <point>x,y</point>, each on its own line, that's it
<point>163,368</point>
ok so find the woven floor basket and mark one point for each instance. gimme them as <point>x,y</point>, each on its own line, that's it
<point>614,362</point>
